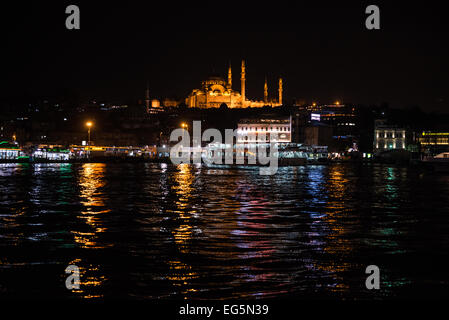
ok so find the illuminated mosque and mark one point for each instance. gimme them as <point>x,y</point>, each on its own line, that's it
<point>216,92</point>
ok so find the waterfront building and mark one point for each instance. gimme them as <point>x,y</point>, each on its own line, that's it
<point>53,153</point>
<point>9,151</point>
<point>216,92</point>
<point>388,137</point>
<point>341,117</point>
<point>434,142</point>
<point>250,130</point>
<point>341,120</point>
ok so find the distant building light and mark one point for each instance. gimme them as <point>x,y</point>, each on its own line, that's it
<point>315,116</point>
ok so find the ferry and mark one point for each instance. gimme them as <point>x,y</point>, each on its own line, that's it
<point>439,163</point>
<point>288,154</point>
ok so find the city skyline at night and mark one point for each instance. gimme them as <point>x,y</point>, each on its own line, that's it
<point>224,160</point>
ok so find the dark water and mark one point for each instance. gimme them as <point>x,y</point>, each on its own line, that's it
<point>156,231</point>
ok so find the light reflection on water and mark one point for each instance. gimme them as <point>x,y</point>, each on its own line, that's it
<point>91,180</point>
<point>190,232</point>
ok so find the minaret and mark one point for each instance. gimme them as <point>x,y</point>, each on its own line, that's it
<point>280,91</point>
<point>242,81</point>
<point>229,77</point>
<point>265,92</point>
<point>147,98</point>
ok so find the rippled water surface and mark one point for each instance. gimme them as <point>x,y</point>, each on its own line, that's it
<point>188,232</point>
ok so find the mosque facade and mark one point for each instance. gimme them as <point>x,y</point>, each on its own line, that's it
<point>216,92</point>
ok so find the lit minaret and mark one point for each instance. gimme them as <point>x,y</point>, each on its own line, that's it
<point>265,92</point>
<point>242,80</point>
<point>229,77</point>
<point>280,91</point>
<point>147,97</point>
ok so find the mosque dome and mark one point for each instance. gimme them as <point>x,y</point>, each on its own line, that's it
<point>214,83</point>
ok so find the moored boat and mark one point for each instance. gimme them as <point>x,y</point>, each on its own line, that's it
<point>439,162</point>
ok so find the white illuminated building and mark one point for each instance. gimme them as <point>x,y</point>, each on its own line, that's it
<point>261,129</point>
<point>53,153</point>
<point>387,137</point>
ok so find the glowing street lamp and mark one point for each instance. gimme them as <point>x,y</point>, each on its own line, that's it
<point>88,125</point>
<point>185,126</point>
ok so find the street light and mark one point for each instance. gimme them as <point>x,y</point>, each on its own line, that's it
<point>185,127</point>
<point>89,125</point>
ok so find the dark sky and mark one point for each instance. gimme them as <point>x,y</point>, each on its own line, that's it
<point>323,51</point>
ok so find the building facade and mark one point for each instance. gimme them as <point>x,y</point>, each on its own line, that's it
<point>253,130</point>
<point>216,92</point>
<point>341,117</point>
<point>432,142</point>
<point>9,151</point>
<point>388,137</point>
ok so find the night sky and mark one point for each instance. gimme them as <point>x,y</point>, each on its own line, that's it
<point>323,52</point>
